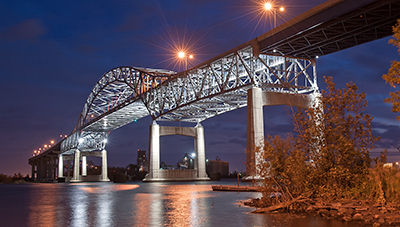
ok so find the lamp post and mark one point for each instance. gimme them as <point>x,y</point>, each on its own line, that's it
<point>183,55</point>
<point>270,7</point>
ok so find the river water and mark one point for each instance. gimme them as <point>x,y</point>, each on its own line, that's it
<point>137,204</point>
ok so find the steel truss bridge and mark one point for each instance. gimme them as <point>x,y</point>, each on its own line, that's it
<point>281,61</point>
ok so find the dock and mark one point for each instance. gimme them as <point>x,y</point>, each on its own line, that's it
<point>235,188</point>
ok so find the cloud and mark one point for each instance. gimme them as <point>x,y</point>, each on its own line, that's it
<point>29,29</point>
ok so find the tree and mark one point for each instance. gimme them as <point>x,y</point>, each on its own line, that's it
<point>393,75</point>
<point>329,153</point>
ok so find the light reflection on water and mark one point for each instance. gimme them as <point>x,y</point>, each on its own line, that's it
<point>136,204</point>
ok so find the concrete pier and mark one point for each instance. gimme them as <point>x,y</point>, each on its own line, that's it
<point>256,99</point>
<point>157,174</point>
<point>76,177</point>
<point>104,171</point>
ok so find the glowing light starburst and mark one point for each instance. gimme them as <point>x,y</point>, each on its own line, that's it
<point>264,14</point>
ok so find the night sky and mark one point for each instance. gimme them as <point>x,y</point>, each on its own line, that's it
<point>53,52</point>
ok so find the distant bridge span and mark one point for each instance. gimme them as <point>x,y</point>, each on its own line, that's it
<point>277,67</point>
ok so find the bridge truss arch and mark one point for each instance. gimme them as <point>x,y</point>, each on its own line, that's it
<point>220,85</point>
<point>114,101</point>
<point>126,94</point>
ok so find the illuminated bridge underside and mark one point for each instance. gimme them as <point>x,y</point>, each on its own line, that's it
<point>333,26</point>
<point>126,94</point>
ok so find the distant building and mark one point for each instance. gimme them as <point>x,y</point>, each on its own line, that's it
<point>186,162</point>
<point>217,166</point>
<point>391,165</point>
<point>141,161</point>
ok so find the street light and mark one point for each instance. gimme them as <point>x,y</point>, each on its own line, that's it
<point>268,6</point>
<point>182,55</point>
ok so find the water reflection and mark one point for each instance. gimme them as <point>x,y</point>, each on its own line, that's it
<point>105,215</point>
<point>181,204</point>
<point>79,206</point>
<point>92,188</point>
<point>141,214</point>
<point>93,204</point>
<point>143,204</point>
<point>43,213</point>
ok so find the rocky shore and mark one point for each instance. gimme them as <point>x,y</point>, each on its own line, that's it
<point>345,210</point>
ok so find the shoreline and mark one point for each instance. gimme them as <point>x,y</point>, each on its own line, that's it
<point>360,211</point>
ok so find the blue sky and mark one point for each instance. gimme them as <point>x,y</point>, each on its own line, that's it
<point>53,52</point>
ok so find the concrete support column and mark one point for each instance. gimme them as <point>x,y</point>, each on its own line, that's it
<point>38,169</point>
<point>154,150</point>
<point>68,168</point>
<point>60,166</point>
<point>84,167</point>
<point>76,176</point>
<point>51,168</point>
<point>41,168</point>
<point>44,169</point>
<point>318,118</point>
<point>104,171</point>
<point>200,151</point>
<point>33,171</point>
<point>255,130</point>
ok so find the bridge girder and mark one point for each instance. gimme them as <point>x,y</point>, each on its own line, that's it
<point>220,86</point>
<point>333,26</point>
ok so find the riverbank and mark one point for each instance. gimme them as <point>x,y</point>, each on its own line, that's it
<point>345,210</point>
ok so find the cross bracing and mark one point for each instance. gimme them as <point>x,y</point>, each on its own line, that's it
<point>221,86</point>
<point>333,26</point>
<point>126,94</point>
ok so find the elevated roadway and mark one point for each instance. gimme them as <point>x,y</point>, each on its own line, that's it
<point>275,68</point>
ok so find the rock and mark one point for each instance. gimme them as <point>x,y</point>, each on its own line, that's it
<point>323,213</point>
<point>381,220</point>
<point>392,219</point>
<point>358,217</point>
<point>342,211</point>
<point>368,218</point>
<point>376,224</point>
<point>350,211</point>
<point>347,218</point>
<point>333,213</point>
